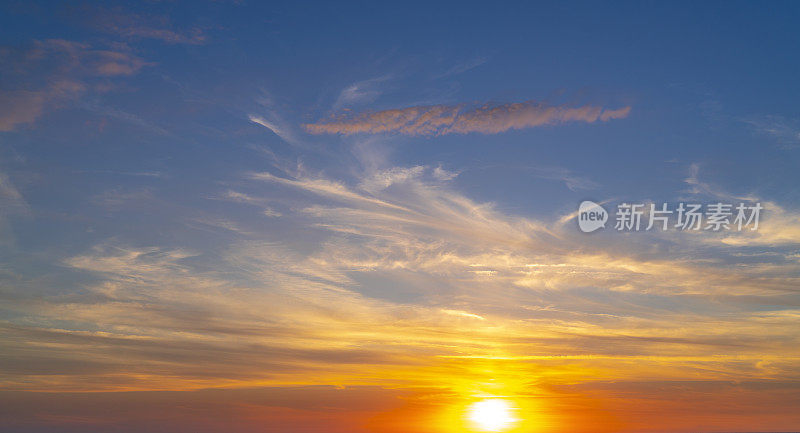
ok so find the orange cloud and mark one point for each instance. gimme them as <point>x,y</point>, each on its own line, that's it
<point>66,67</point>
<point>460,119</point>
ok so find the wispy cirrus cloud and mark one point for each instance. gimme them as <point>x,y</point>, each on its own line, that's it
<point>64,56</point>
<point>785,131</point>
<point>411,280</point>
<point>573,181</point>
<point>276,128</point>
<point>11,203</point>
<point>360,92</point>
<point>781,226</point>
<point>269,116</point>
<point>132,25</point>
<point>463,67</point>
<point>464,119</point>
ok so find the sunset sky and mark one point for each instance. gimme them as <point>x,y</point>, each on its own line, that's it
<point>360,217</point>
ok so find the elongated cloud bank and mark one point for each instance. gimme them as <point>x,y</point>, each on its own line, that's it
<point>461,119</point>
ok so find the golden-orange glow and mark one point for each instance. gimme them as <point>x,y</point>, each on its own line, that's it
<point>493,414</point>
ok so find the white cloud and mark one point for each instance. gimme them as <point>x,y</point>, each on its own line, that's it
<point>785,131</point>
<point>444,175</point>
<point>573,181</point>
<point>463,67</point>
<point>360,92</point>
<point>272,213</point>
<point>383,179</point>
<point>279,130</point>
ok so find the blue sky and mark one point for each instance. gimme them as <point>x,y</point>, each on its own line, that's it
<point>181,171</point>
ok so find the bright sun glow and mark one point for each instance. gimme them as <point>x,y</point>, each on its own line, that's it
<point>492,415</point>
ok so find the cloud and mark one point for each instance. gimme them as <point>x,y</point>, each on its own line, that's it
<point>432,228</point>
<point>123,116</point>
<point>118,198</point>
<point>152,174</point>
<point>272,127</point>
<point>244,198</point>
<point>137,26</point>
<point>360,92</point>
<point>785,131</point>
<point>20,107</point>
<point>112,63</point>
<point>55,71</point>
<point>383,179</point>
<point>11,203</point>
<point>324,187</point>
<point>463,67</point>
<point>239,197</point>
<point>274,122</point>
<point>778,225</point>
<point>69,57</point>
<point>250,410</point>
<point>403,281</point>
<point>272,213</point>
<point>463,314</point>
<point>461,119</point>
<point>11,200</point>
<point>444,175</point>
<point>573,181</point>
<point>220,223</point>
<point>10,197</point>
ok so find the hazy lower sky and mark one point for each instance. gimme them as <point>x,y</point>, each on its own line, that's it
<point>347,217</point>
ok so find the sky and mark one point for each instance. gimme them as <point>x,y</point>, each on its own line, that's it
<point>347,217</point>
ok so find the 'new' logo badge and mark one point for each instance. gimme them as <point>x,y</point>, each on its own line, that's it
<point>591,216</point>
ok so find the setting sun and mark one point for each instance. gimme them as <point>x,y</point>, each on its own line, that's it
<point>492,415</point>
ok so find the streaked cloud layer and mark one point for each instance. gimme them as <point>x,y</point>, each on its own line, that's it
<point>415,287</point>
<point>464,119</point>
<point>416,282</point>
